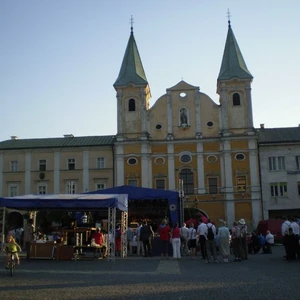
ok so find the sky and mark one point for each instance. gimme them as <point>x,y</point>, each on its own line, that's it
<point>59,59</point>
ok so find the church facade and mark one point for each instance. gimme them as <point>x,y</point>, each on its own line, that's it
<point>185,140</point>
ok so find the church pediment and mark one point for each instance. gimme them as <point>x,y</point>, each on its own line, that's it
<point>182,85</point>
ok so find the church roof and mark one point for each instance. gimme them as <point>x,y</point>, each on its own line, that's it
<point>132,70</point>
<point>233,64</point>
<point>64,142</point>
<point>279,135</point>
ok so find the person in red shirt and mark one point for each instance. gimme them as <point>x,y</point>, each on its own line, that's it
<point>99,241</point>
<point>164,237</point>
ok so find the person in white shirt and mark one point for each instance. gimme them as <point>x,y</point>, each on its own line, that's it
<point>140,247</point>
<point>285,227</point>
<point>192,241</point>
<point>202,239</point>
<point>269,242</point>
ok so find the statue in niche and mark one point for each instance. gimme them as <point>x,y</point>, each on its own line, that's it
<point>183,116</point>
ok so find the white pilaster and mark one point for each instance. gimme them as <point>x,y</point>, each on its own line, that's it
<point>198,112</point>
<point>28,173</point>
<point>249,104</point>
<point>171,167</point>
<point>119,165</point>
<point>120,112</point>
<point>229,197</point>
<point>169,113</point>
<point>254,179</point>
<point>143,110</point>
<point>1,175</point>
<point>85,175</point>
<point>224,108</point>
<point>145,165</point>
<point>200,168</point>
<point>56,173</point>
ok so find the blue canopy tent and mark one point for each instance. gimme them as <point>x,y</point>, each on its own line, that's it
<point>140,193</point>
<point>69,202</point>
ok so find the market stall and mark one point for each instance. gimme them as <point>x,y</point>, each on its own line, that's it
<point>70,202</point>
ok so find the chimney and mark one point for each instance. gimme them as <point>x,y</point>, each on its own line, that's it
<point>13,137</point>
<point>68,135</point>
<point>262,126</point>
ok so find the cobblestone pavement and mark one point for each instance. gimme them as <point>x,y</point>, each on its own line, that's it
<point>262,276</point>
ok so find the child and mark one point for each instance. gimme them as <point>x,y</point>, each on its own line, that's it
<point>12,247</point>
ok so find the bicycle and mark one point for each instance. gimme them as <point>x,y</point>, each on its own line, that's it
<point>11,263</point>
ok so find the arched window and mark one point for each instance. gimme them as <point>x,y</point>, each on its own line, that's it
<point>131,105</point>
<point>236,99</point>
<point>188,181</point>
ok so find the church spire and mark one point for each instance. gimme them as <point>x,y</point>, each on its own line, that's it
<point>233,64</point>
<point>132,70</point>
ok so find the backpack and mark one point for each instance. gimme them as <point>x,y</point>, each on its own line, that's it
<point>210,233</point>
<point>238,232</point>
<point>243,232</point>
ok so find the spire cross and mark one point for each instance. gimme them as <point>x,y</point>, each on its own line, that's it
<point>131,24</point>
<point>228,16</point>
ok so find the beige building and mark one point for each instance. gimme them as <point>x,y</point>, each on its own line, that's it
<point>184,137</point>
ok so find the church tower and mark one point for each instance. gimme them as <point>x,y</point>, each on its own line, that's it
<point>234,88</point>
<point>133,95</point>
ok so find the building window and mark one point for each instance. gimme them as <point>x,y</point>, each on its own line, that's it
<point>100,186</point>
<point>132,161</point>
<point>298,162</point>
<point>160,184</point>
<point>131,105</point>
<point>42,190</point>
<point>132,182</point>
<point>14,165</point>
<point>236,100</point>
<point>70,187</point>
<point>213,185</point>
<point>185,158</point>
<point>240,156</point>
<point>100,163</point>
<point>42,165</point>
<point>241,183</point>
<point>187,177</point>
<point>277,163</point>
<point>13,191</point>
<point>71,164</point>
<point>278,189</point>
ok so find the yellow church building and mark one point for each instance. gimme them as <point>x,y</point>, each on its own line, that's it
<point>184,138</point>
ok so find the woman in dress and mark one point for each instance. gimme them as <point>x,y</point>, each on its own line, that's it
<point>224,241</point>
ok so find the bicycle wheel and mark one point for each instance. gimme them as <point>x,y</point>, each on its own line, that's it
<point>12,268</point>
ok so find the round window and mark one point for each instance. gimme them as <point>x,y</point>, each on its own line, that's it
<point>159,160</point>
<point>158,126</point>
<point>211,158</point>
<point>210,124</point>
<point>185,158</point>
<point>182,95</point>
<point>132,161</point>
<point>240,156</point>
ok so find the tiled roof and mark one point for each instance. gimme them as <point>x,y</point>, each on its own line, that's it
<point>233,64</point>
<point>132,70</point>
<point>83,141</point>
<point>279,135</point>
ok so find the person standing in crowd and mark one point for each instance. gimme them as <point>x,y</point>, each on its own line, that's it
<point>84,218</point>
<point>202,240</point>
<point>184,236</point>
<point>139,242</point>
<point>296,231</point>
<point>269,242</point>
<point>210,233</point>
<point>243,238</point>
<point>175,234</point>
<point>164,237</point>
<point>130,235</point>
<point>146,235</point>
<point>118,240</point>
<point>236,242</point>
<point>192,240</point>
<point>286,225</point>
<point>261,241</point>
<point>28,237</point>
<point>224,241</point>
